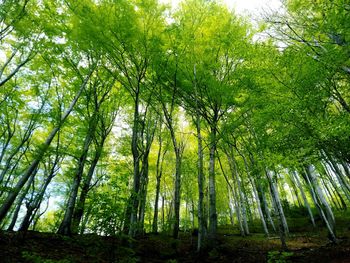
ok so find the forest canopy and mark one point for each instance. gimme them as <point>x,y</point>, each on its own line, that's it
<point>130,116</point>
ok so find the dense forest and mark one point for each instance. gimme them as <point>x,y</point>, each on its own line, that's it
<point>128,118</point>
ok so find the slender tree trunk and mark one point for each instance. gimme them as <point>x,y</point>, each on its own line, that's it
<point>263,222</point>
<point>159,173</point>
<point>255,195</point>
<point>37,214</point>
<point>178,149</point>
<point>315,191</point>
<point>230,205</point>
<point>79,209</point>
<point>143,192</point>
<point>7,166</point>
<point>281,219</point>
<point>278,203</point>
<point>11,178</point>
<point>243,206</point>
<point>212,191</point>
<point>39,155</point>
<point>155,215</point>
<point>85,219</point>
<point>200,177</point>
<point>295,190</point>
<point>283,227</point>
<point>192,215</point>
<point>238,209</point>
<point>134,199</point>
<point>266,207</point>
<point>342,181</point>
<point>333,198</point>
<point>170,216</point>
<point>7,142</point>
<point>149,132</point>
<point>241,195</point>
<point>163,213</point>
<point>312,174</point>
<point>177,194</point>
<point>66,225</point>
<point>20,202</point>
<point>346,169</point>
<point>35,205</point>
<point>294,177</point>
<point>25,139</point>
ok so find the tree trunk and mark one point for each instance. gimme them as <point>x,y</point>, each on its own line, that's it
<point>333,195</point>
<point>143,193</point>
<point>66,225</point>
<point>283,227</point>
<point>311,180</point>
<point>241,195</point>
<point>20,202</point>
<point>263,222</point>
<point>238,209</point>
<point>230,206</point>
<point>178,149</point>
<point>163,213</point>
<point>201,217</point>
<point>155,215</point>
<point>212,190</point>
<point>312,175</point>
<point>294,190</point>
<point>266,207</point>
<point>346,169</point>
<point>35,204</point>
<point>79,210</point>
<point>294,176</point>
<point>278,204</point>
<point>342,181</point>
<point>134,199</point>
<point>177,194</point>
<point>159,173</point>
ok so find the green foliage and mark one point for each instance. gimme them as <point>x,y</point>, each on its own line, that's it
<point>278,103</point>
<point>279,257</point>
<point>36,258</point>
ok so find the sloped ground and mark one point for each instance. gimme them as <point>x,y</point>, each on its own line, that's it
<point>49,248</point>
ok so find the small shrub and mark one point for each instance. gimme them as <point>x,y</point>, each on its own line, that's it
<point>35,258</point>
<point>279,257</point>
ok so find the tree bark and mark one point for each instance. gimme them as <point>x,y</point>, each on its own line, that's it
<point>79,209</point>
<point>143,192</point>
<point>159,173</point>
<point>278,204</point>
<point>177,193</point>
<point>311,172</point>
<point>66,225</point>
<point>263,222</point>
<point>294,177</point>
<point>20,202</point>
<point>212,189</point>
<point>266,207</point>
<point>134,199</point>
<point>35,204</point>
<point>238,209</point>
<point>315,190</point>
<point>200,177</point>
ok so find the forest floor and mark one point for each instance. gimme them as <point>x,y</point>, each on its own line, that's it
<point>51,248</point>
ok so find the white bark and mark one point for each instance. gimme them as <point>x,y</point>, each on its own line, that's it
<point>277,201</point>
<point>294,177</point>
